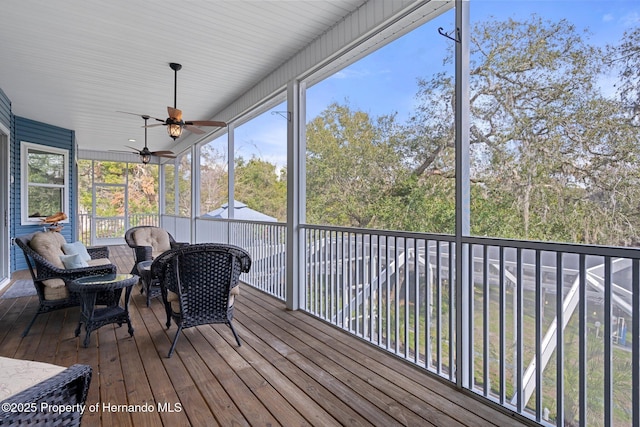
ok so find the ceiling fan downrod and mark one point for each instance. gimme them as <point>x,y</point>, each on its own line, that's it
<point>175,67</point>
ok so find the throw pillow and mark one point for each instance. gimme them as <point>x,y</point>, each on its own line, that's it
<point>73,261</point>
<point>76,248</point>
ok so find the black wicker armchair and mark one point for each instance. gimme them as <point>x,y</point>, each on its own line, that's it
<point>32,405</point>
<point>42,270</point>
<point>148,242</point>
<point>199,284</point>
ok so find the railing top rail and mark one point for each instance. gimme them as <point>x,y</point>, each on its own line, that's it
<point>575,248</point>
<point>377,232</point>
<point>245,221</point>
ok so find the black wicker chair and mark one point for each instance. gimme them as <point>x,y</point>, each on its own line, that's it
<point>69,387</point>
<point>197,283</point>
<point>42,270</point>
<point>145,251</point>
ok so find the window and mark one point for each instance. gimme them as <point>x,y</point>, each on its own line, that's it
<point>44,181</point>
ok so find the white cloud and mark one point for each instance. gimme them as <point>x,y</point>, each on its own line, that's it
<point>351,73</point>
<point>630,19</point>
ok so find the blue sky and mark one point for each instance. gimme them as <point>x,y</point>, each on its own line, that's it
<point>386,81</point>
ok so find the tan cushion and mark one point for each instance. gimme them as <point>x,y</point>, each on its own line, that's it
<point>55,289</point>
<point>98,261</point>
<point>173,299</point>
<point>48,245</point>
<point>17,375</point>
<point>155,237</point>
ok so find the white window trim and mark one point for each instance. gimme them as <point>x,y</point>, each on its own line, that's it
<point>24,193</point>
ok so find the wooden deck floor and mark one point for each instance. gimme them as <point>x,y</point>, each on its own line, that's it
<point>290,370</point>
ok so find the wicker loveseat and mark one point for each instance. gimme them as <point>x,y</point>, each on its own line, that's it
<point>38,393</point>
<point>42,251</point>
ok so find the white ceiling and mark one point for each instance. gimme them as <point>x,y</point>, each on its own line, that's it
<point>75,63</point>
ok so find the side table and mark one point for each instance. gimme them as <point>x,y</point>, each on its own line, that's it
<point>88,288</point>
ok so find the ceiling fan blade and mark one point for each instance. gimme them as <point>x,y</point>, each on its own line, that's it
<point>206,123</point>
<point>136,150</point>
<point>169,156</point>
<point>194,129</point>
<point>122,151</point>
<point>174,113</point>
<point>160,152</point>
<point>141,115</point>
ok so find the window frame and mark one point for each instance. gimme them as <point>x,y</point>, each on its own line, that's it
<point>25,149</point>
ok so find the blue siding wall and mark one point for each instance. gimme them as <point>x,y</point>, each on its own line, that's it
<point>5,119</point>
<point>5,110</point>
<point>39,133</point>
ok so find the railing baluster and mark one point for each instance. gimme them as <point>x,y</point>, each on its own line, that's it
<point>501,316</point>
<point>538,346</point>
<point>428,306</point>
<point>407,306</point>
<point>486,300</point>
<point>635,350</point>
<point>559,340</point>
<point>416,302</point>
<point>379,287</point>
<point>439,311</point>
<point>471,303</point>
<point>608,383</point>
<point>582,341</point>
<point>356,287</point>
<point>519,328</point>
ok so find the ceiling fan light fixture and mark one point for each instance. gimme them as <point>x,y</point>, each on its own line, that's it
<point>146,158</point>
<point>174,131</point>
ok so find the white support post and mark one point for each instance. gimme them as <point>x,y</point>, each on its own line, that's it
<point>195,190</point>
<point>296,194</point>
<point>462,124</point>
<point>231,147</point>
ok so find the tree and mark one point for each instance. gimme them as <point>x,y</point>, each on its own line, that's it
<point>351,165</point>
<point>260,187</point>
<point>626,56</point>
<point>549,150</point>
<point>213,179</point>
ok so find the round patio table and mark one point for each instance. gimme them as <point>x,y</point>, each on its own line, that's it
<point>89,287</point>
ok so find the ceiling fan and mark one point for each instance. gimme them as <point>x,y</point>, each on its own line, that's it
<point>174,122</point>
<point>145,153</point>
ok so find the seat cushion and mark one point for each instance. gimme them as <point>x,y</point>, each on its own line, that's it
<point>55,289</point>
<point>48,244</point>
<point>17,375</point>
<point>99,261</point>
<point>174,300</point>
<point>155,237</point>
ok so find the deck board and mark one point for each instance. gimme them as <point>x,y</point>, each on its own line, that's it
<point>291,369</point>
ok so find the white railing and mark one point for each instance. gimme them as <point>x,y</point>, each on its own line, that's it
<point>552,330</point>
<point>397,291</point>
<point>265,242</point>
<point>97,230</point>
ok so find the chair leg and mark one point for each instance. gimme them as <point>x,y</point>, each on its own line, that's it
<point>26,330</point>
<point>235,334</point>
<point>175,340</point>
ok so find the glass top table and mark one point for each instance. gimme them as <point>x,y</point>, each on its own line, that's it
<point>89,287</point>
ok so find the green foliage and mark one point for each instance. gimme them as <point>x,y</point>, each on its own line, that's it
<point>259,187</point>
<point>108,177</point>
<point>552,157</point>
